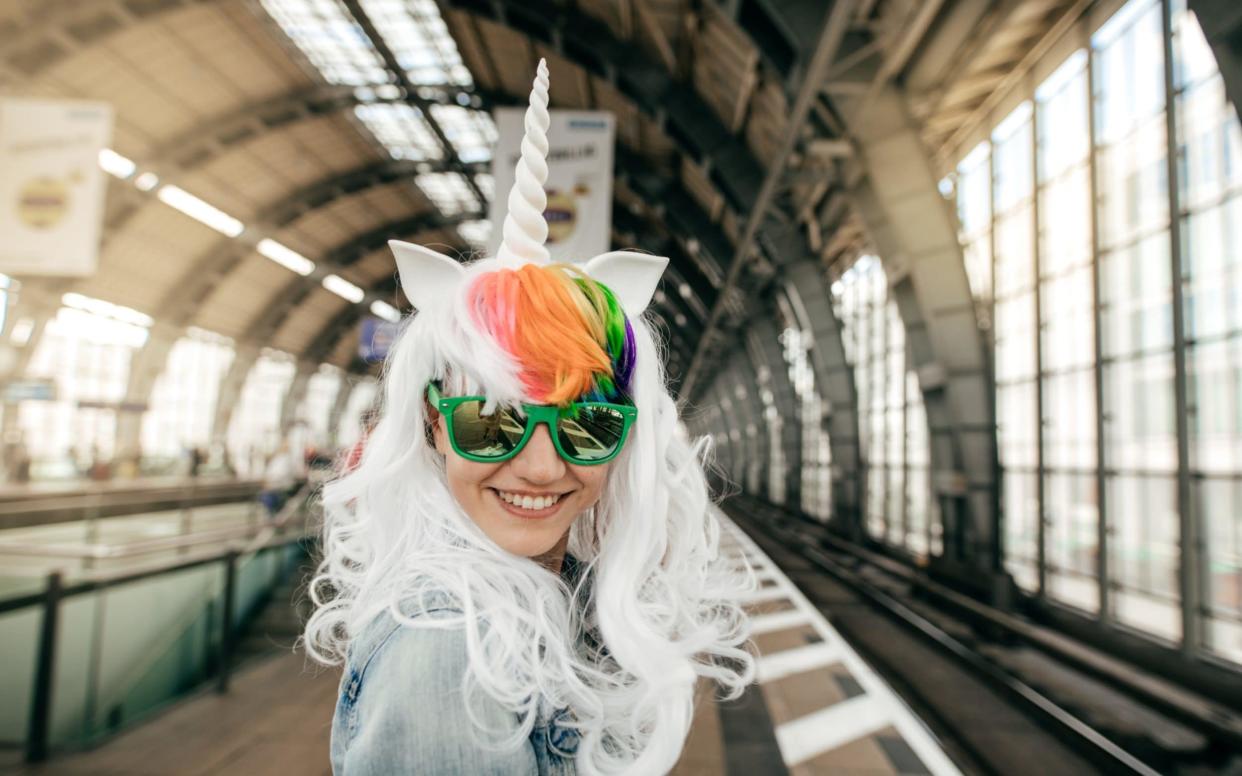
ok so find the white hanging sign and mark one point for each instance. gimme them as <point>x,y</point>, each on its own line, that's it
<point>51,185</point>
<point>579,187</point>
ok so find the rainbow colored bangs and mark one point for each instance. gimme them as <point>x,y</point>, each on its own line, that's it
<point>566,331</point>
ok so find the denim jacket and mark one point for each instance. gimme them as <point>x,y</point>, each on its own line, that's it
<point>400,709</point>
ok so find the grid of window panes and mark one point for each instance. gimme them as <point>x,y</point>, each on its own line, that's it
<point>472,132</point>
<point>1015,341</point>
<point>448,191</point>
<point>1136,320</point>
<point>741,441</point>
<point>183,401</point>
<point>316,405</point>
<point>924,530</point>
<point>332,40</point>
<point>1100,121</point>
<point>1210,199</point>
<point>714,421</point>
<point>1067,331</point>
<point>744,382</point>
<point>88,356</point>
<point>254,431</point>
<point>773,423</point>
<point>891,418</point>
<point>816,473</point>
<point>974,216</point>
<point>418,37</point>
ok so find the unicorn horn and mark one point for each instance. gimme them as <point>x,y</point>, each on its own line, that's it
<point>525,229</point>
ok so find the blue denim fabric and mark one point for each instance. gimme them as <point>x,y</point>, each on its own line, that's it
<point>400,709</point>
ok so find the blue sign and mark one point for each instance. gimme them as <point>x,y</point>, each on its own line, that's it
<point>376,339</point>
<point>38,389</point>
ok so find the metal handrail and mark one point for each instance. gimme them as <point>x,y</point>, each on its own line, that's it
<point>149,546</point>
<point>56,590</point>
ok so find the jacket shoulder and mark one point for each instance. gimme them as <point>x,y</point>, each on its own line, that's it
<point>410,711</point>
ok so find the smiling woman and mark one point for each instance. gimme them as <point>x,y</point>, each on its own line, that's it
<point>522,574</point>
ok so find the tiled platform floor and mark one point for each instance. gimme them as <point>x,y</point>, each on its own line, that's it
<point>816,709</point>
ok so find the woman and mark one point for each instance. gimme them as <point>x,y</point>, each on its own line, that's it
<point>522,574</point>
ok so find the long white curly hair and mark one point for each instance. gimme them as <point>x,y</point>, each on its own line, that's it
<point>658,604</point>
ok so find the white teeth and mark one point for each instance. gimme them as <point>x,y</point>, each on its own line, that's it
<point>528,502</point>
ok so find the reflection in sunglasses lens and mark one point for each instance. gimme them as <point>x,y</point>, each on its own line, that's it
<point>486,435</point>
<point>593,434</point>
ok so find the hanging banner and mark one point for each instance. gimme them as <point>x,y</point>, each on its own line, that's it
<point>51,186</point>
<point>579,186</point>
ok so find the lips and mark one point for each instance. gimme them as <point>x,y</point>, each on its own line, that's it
<point>529,506</point>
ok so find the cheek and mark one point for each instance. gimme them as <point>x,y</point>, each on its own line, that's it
<point>593,479</point>
<point>464,477</point>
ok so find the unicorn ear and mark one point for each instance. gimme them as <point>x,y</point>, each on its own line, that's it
<point>426,276</point>
<point>631,276</point>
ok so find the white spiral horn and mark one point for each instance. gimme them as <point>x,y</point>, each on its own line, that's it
<point>525,230</point>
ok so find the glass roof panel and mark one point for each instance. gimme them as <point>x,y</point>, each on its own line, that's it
<point>401,128</point>
<point>487,185</point>
<point>472,132</point>
<point>330,39</point>
<point>420,40</point>
<point>476,232</point>
<point>449,192</point>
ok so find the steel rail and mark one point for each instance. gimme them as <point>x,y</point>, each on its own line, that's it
<point>1094,744</point>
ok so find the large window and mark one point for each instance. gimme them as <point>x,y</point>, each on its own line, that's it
<point>87,355</point>
<point>816,473</point>
<point>1092,367</point>
<point>1136,319</point>
<point>183,401</point>
<point>254,433</point>
<point>1067,336</point>
<point>1015,341</point>
<point>891,419</point>
<point>773,424</point>
<point>1210,199</point>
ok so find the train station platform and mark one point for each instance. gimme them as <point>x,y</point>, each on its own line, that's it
<point>816,708</point>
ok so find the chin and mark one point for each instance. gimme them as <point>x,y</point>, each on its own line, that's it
<point>528,546</point>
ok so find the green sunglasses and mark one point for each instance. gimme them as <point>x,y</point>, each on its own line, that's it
<point>585,433</point>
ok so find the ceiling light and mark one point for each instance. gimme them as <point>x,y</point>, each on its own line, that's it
<point>343,288</point>
<point>386,311</point>
<point>116,165</point>
<point>147,181</point>
<point>192,206</point>
<point>107,309</point>
<point>286,257</point>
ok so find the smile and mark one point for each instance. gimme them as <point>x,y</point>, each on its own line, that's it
<point>527,505</point>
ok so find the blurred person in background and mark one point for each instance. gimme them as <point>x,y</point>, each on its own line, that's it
<point>279,477</point>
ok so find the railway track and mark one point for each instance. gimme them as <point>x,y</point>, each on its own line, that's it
<point>998,704</point>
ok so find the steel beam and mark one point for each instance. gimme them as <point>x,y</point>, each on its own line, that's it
<point>1221,21</point>
<point>829,41</point>
<point>56,30</point>
<point>675,106</point>
<point>913,230</point>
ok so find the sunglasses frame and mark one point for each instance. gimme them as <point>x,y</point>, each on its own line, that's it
<point>535,414</point>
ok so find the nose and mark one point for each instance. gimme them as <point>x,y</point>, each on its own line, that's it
<point>538,461</point>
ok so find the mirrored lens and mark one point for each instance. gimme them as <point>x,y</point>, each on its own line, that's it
<point>592,434</point>
<point>487,436</point>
